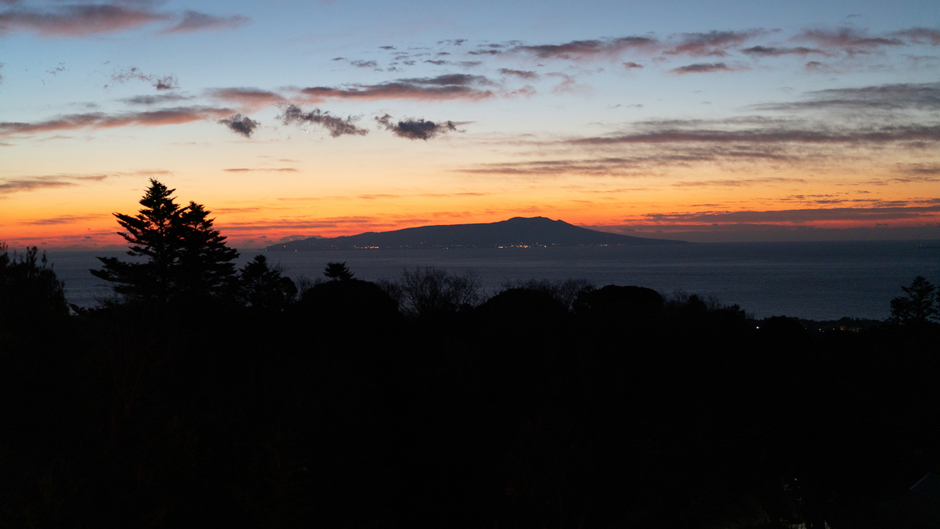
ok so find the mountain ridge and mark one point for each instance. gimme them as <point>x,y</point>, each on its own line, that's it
<point>514,232</point>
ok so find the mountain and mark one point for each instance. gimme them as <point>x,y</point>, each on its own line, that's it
<point>518,231</point>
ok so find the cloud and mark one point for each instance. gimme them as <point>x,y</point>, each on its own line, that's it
<point>770,135</point>
<point>917,96</point>
<point>240,124</point>
<point>336,126</point>
<point>364,64</point>
<point>920,35</point>
<point>98,120</point>
<point>196,21</point>
<point>765,51</point>
<point>62,219</point>
<point>155,100</point>
<point>800,215</point>
<point>711,44</point>
<point>416,129</point>
<point>742,182</point>
<point>587,49</point>
<point>111,16</point>
<point>849,40</point>
<point>814,66</point>
<point>249,98</point>
<point>263,169</point>
<point>440,88</point>
<point>920,169</point>
<point>631,65</point>
<point>522,74</point>
<point>643,162</point>
<point>568,84</point>
<point>79,19</point>
<point>703,67</point>
<point>165,82</point>
<point>33,183</point>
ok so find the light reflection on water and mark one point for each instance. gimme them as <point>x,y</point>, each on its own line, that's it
<point>812,280</point>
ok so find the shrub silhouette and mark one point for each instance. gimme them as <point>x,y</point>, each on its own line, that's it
<point>264,288</point>
<point>916,307</point>
<point>619,302</point>
<point>29,289</point>
<point>429,290</point>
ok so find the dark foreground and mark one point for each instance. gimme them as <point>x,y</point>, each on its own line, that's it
<point>617,409</point>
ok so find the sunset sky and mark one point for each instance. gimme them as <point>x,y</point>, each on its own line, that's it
<point>703,121</point>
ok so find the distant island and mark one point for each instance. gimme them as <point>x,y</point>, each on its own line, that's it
<point>518,232</point>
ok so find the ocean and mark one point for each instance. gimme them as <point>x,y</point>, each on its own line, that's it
<point>812,280</point>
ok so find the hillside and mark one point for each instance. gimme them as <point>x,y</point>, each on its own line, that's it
<point>518,231</point>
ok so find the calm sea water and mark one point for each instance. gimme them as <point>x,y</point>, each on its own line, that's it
<point>814,280</point>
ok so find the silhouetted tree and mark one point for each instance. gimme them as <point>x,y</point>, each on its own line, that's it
<point>566,291</point>
<point>30,292</point>
<point>263,287</point>
<point>338,271</point>
<point>185,256</point>
<point>917,306</point>
<point>205,262</point>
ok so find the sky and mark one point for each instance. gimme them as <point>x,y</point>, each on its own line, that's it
<point>705,121</point>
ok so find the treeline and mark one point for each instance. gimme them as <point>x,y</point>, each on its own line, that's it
<point>420,402</point>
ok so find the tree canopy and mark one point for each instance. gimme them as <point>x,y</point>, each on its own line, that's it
<point>185,258</point>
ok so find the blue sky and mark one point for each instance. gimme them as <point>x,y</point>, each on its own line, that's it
<point>695,120</point>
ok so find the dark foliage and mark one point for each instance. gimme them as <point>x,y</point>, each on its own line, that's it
<point>618,408</point>
<point>916,307</point>
<point>29,290</point>
<point>263,287</point>
<point>338,272</point>
<point>184,257</point>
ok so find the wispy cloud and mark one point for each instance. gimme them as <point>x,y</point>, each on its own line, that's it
<point>261,169</point>
<point>79,19</point>
<point>740,182</point>
<point>800,215</point>
<point>34,183</point>
<point>704,67</point>
<point>62,219</point>
<point>769,135</point>
<point>440,88</point>
<point>415,129</point>
<point>249,98</point>
<point>849,40</point>
<point>86,18</point>
<point>158,99</point>
<point>160,82</point>
<point>712,43</point>
<point>917,96</point>
<point>642,162</point>
<point>195,21</point>
<point>588,49</point>
<point>920,35</point>
<point>521,74</point>
<point>773,51</point>
<point>335,125</point>
<point>98,120</point>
